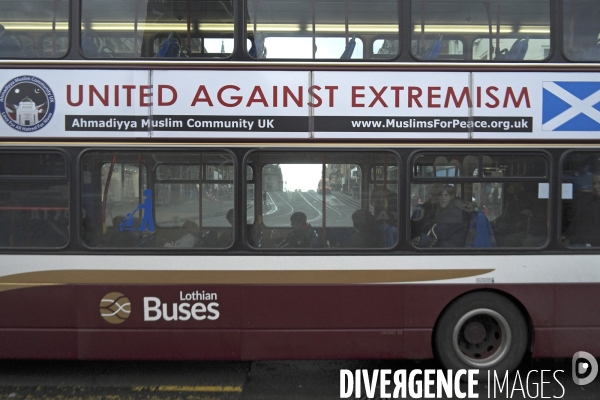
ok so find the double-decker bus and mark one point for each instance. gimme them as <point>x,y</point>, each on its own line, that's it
<point>158,161</point>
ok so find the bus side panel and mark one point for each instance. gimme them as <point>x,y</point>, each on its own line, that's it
<point>39,307</point>
<point>158,307</point>
<point>417,343</point>
<point>322,344</point>
<point>164,322</point>
<point>38,343</point>
<point>322,307</point>
<point>425,303</point>
<point>568,341</point>
<point>159,344</point>
<point>320,322</point>
<point>538,300</point>
<point>578,305</point>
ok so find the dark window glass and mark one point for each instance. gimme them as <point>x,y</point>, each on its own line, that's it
<point>34,28</point>
<point>33,164</point>
<point>580,193</point>
<point>34,200</point>
<point>581,30</point>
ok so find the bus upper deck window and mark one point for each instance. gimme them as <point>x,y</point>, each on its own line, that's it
<point>510,30</point>
<point>143,28</point>
<point>581,30</point>
<point>338,29</point>
<point>34,29</point>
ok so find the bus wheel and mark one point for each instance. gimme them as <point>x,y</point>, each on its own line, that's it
<point>483,331</point>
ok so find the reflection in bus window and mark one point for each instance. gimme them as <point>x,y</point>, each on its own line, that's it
<point>383,48</point>
<point>479,201</point>
<point>143,28</point>
<point>34,29</point>
<point>511,30</point>
<point>581,30</point>
<point>34,200</point>
<point>320,201</point>
<point>188,204</point>
<point>581,200</point>
<point>338,29</point>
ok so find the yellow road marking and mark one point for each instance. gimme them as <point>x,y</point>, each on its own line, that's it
<point>220,389</point>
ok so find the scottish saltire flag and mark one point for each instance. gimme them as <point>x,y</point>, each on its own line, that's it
<point>571,106</point>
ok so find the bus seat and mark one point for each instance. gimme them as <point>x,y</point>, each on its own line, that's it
<point>517,50</point>
<point>390,235</point>
<point>457,167</point>
<point>440,164</point>
<point>258,47</point>
<point>436,48</point>
<point>89,47</point>
<point>349,50</point>
<point>481,234</point>
<point>171,47</point>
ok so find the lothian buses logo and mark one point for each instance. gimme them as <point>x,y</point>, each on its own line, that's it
<point>115,308</point>
<point>26,103</point>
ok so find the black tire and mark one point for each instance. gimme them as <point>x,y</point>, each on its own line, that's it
<point>483,331</point>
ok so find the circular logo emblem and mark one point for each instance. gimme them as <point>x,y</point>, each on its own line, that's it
<point>26,103</point>
<point>115,308</point>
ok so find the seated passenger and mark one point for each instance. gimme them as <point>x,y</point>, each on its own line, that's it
<point>302,234</point>
<point>424,214</point>
<point>584,227</point>
<point>367,234</point>
<point>451,223</point>
<point>522,222</point>
<point>189,237</point>
<point>118,237</point>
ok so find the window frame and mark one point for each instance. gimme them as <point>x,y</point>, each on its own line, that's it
<point>318,151</point>
<point>481,178</point>
<point>44,178</point>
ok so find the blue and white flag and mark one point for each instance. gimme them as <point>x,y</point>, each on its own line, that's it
<point>571,106</point>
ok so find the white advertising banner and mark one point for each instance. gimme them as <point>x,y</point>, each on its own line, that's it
<point>420,105</point>
<point>298,104</point>
<point>238,104</point>
<point>74,104</point>
<point>539,105</point>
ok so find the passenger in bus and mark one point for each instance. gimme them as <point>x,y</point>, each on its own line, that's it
<point>189,235</point>
<point>302,234</point>
<point>226,238</point>
<point>584,226</point>
<point>522,221</point>
<point>451,221</point>
<point>116,237</point>
<point>424,214</point>
<point>366,233</point>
